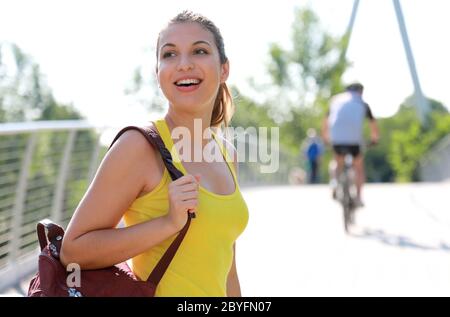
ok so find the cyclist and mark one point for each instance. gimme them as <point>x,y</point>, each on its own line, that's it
<point>343,129</point>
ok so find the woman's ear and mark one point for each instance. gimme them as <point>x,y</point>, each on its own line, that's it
<point>225,69</point>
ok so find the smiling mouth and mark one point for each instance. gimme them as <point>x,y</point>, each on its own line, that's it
<point>187,82</point>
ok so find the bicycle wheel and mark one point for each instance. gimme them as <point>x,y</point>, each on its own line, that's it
<point>346,204</point>
<point>346,218</point>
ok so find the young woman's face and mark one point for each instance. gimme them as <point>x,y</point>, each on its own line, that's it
<point>189,70</point>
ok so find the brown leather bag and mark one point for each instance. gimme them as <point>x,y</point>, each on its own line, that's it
<point>117,280</point>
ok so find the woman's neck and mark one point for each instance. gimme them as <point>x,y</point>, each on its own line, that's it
<point>197,125</point>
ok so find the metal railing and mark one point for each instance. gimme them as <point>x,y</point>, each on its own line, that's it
<point>45,168</point>
<point>261,163</point>
<point>435,166</point>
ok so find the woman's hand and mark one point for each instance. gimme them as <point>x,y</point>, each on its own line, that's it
<point>183,197</point>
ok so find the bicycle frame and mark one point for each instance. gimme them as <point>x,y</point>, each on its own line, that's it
<point>346,191</point>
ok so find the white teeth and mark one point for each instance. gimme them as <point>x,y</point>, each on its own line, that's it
<point>187,81</point>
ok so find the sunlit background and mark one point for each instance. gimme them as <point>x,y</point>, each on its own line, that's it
<point>88,50</point>
<point>92,62</point>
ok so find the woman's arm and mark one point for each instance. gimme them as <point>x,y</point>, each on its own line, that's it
<point>91,239</point>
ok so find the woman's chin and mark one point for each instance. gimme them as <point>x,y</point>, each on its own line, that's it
<point>191,106</point>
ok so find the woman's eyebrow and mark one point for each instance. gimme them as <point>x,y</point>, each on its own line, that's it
<point>195,43</point>
<point>167,44</point>
<point>201,42</point>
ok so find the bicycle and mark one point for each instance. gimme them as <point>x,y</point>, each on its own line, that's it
<point>346,192</point>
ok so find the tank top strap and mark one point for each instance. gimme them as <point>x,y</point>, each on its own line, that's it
<point>163,129</point>
<point>222,142</point>
<point>164,132</point>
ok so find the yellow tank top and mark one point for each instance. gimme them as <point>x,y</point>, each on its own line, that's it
<point>202,263</point>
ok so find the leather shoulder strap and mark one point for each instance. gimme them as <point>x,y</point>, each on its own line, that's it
<point>54,235</point>
<point>152,136</point>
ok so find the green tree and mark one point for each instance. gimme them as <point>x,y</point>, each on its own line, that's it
<point>53,110</point>
<point>405,141</point>
<point>142,88</point>
<point>305,76</point>
<point>24,93</point>
<point>248,113</point>
<point>313,67</point>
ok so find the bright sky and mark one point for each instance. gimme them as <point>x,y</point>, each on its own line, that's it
<point>89,49</point>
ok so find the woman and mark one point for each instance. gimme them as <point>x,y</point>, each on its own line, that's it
<point>132,181</point>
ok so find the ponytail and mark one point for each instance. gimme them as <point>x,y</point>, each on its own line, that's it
<point>223,107</point>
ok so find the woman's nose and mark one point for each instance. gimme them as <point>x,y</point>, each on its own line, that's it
<point>185,63</point>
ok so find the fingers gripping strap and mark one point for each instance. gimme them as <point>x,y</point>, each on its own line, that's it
<point>152,136</point>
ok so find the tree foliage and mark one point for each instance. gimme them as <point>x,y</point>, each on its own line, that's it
<point>24,93</point>
<point>409,140</point>
<point>304,77</point>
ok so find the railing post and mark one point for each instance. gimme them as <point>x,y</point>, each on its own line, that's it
<point>19,201</point>
<point>348,32</point>
<point>17,265</point>
<point>422,103</point>
<point>58,198</point>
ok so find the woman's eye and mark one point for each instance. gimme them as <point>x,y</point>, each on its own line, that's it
<point>201,51</point>
<point>168,54</point>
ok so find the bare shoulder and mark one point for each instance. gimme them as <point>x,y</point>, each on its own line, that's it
<point>140,155</point>
<point>134,142</point>
<point>128,168</point>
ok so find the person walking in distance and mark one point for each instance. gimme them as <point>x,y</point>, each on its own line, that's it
<point>312,149</point>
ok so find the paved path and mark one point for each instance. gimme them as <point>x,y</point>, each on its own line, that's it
<point>295,243</point>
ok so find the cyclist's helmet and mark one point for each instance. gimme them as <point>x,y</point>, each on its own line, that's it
<point>356,87</point>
